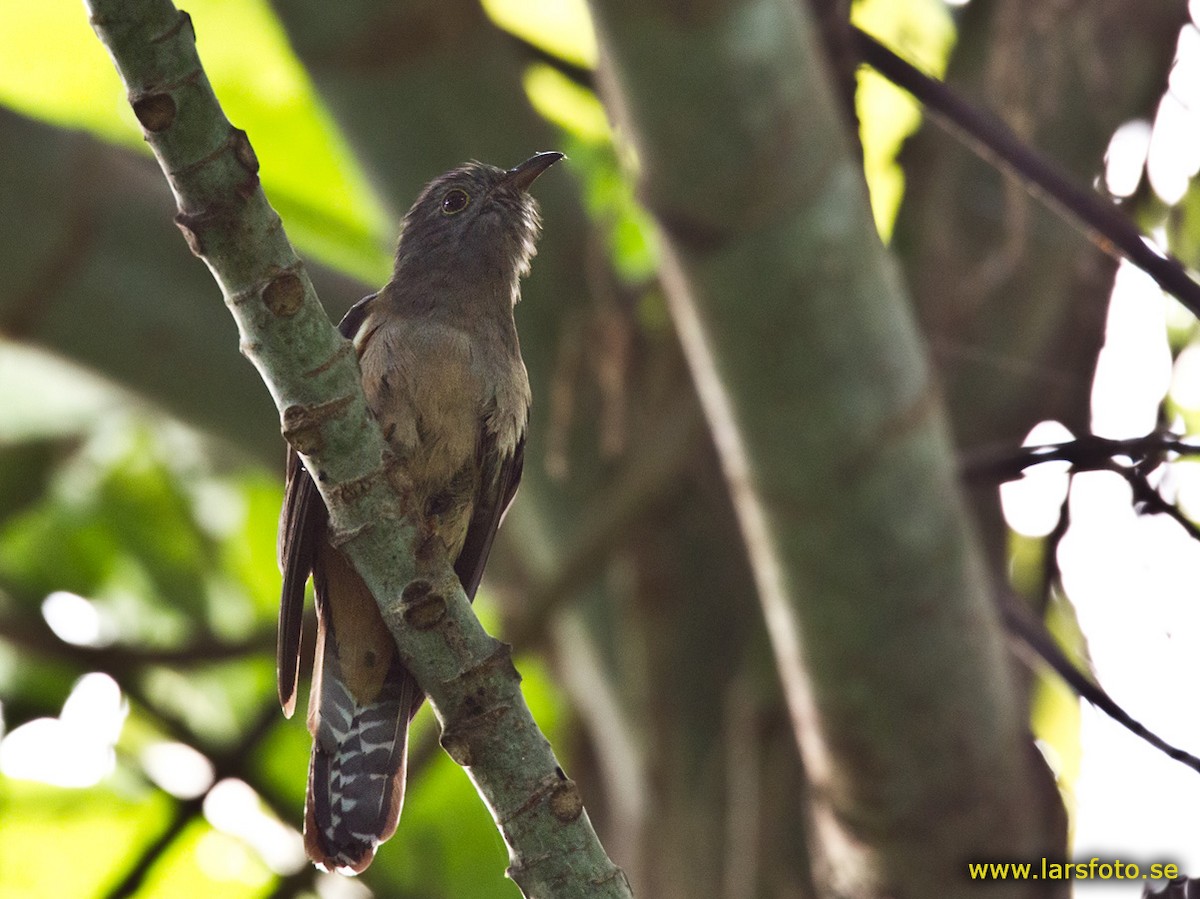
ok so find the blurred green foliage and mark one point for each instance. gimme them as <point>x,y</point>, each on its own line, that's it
<point>53,68</point>
<point>65,843</point>
<point>172,541</point>
<point>170,536</point>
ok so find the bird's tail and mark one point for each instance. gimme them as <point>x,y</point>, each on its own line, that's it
<point>359,721</point>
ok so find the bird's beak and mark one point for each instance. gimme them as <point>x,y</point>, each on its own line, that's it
<point>526,173</point>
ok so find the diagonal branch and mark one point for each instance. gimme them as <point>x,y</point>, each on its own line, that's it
<point>991,139</point>
<point>227,763</point>
<point>313,376</point>
<point>1034,636</point>
<point>35,636</point>
<point>1087,453</point>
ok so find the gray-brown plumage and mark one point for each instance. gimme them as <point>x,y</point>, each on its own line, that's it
<point>443,375</point>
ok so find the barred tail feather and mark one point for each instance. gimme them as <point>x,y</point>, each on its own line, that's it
<point>356,775</point>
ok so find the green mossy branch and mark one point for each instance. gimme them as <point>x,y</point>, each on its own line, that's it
<point>312,374</point>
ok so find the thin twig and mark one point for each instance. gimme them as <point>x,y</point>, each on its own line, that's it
<point>226,763</point>
<point>996,143</point>
<point>181,817</point>
<point>1087,453</point>
<point>1051,573</point>
<point>983,133</point>
<point>33,635</point>
<point>1091,453</point>
<point>1148,501</point>
<point>1019,622</point>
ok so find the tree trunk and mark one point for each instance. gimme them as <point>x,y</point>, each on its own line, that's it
<point>830,431</point>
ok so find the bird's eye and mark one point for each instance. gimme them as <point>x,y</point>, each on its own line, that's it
<point>456,200</point>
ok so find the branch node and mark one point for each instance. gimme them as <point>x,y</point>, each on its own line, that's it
<point>458,746</point>
<point>421,607</point>
<point>155,111</point>
<point>301,425</point>
<point>243,150</point>
<point>350,491</point>
<point>182,18</point>
<point>339,537</point>
<point>498,660</point>
<point>237,142</point>
<point>460,739</point>
<point>481,709</point>
<point>191,225</point>
<point>565,802</point>
<point>614,873</point>
<point>549,789</point>
<point>346,348</point>
<point>284,294</point>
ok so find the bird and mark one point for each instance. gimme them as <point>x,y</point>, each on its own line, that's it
<point>443,375</point>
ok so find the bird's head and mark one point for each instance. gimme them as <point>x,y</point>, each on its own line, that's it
<point>475,222</point>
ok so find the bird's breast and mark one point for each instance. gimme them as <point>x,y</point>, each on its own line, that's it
<point>427,395</point>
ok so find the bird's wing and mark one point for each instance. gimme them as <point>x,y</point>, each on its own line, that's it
<point>500,474</point>
<point>300,524</point>
<point>302,521</point>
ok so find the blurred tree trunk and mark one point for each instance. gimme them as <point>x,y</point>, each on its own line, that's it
<point>831,439</point>
<point>1011,298</point>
